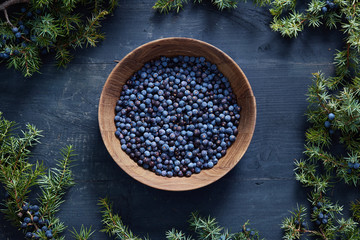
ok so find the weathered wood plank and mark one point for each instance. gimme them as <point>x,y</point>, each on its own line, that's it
<point>260,188</point>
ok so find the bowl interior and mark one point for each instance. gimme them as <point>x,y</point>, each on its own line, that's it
<point>170,47</point>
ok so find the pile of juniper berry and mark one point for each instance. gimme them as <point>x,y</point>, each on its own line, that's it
<point>34,223</point>
<point>177,116</point>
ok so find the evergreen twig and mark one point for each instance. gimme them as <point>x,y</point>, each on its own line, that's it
<point>205,228</point>
<point>176,5</point>
<point>83,234</point>
<point>49,27</point>
<point>18,175</point>
<point>334,112</point>
<point>113,224</point>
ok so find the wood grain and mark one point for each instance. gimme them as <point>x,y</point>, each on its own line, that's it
<point>261,188</point>
<point>173,47</point>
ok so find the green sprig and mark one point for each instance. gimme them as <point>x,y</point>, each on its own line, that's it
<point>83,234</point>
<point>176,5</point>
<point>19,175</point>
<point>49,26</point>
<point>174,234</point>
<point>113,224</point>
<point>204,228</point>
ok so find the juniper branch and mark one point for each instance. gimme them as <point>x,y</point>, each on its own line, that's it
<point>18,175</point>
<point>176,5</point>
<point>47,27</point>
<point>83,234</point>
<point>113,224</point>
<point>205,228</point>
<point>54,185</point>
<point>174,234</point>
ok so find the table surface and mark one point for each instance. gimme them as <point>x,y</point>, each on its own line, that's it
<point>261,188</point>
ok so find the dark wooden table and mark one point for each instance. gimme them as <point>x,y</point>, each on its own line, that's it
<point>261,188</point>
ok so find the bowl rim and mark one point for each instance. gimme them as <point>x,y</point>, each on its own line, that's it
<point>101,118</point>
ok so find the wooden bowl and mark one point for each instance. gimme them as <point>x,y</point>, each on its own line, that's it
<point>170,47</point>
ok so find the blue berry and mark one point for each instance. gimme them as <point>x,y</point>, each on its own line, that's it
<point>41,222</point>
<point>35,219</point>
<point>28,235</point>
<point>48,234</point>
<point>35,208</point>
<point>324,9</point>
<point>117,133</point>
<point>25,207</point>
<point>165,147</point>
<point>356,165</point>
<point>303,224</point>
<point>327,124</point>
<point>15,29</point>
<point>27,220</point>
<point>18,35</point>
<point>203,136</point>
<point>331,116</point>
<point>24,225</point>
